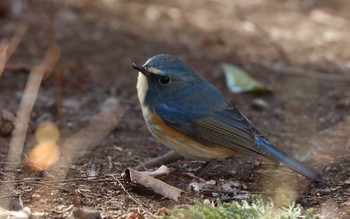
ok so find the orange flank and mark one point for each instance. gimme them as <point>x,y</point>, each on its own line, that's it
<point>185,145</point>
<point>165,128</point>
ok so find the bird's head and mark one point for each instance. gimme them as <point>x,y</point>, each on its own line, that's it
<point>163,76</point>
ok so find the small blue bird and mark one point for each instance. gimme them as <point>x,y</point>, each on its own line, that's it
<point>191,117</point>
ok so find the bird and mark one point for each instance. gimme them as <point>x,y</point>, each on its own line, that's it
<point>190,116</point>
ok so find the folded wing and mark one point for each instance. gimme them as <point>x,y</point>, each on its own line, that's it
<point>228,127</point>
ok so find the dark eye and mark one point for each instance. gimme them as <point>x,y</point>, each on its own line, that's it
<point>164,80</point>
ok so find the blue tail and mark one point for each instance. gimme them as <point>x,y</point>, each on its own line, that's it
<point>288,160</point>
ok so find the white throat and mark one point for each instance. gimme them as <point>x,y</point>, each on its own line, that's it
<point>142,87</point>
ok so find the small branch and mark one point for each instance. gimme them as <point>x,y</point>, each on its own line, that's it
<point>25,108</point>
<point>219,191</point>
<point>14,68</point>
<point>85,140</point>
<point>58,95</point>
<point>282,69</point>
<point>8,48</point>
<point>130,196</point>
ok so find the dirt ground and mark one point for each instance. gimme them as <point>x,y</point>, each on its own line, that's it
<point>298,48</point>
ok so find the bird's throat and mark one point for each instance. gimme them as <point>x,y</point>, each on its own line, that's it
<point>142,88</point>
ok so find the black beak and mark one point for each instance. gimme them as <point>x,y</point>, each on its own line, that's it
<point>141,69</point>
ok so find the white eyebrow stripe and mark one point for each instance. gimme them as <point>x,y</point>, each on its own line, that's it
<point>154,70</point>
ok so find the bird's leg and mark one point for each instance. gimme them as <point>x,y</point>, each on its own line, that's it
<point>204,168</point>
<point>169,157</point>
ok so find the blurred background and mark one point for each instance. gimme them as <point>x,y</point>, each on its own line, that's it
<point>298,48</point>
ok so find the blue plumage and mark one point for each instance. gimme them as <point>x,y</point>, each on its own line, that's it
<point>187,104</point>
<point>286,159</point>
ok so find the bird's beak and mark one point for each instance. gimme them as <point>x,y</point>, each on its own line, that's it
<point>141,69</point>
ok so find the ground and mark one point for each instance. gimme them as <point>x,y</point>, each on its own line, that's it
<point>298,48</point>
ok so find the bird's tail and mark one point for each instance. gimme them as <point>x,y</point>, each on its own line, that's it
<point>288,160</point>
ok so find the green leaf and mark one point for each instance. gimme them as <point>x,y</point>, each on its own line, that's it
<point>239,81</point>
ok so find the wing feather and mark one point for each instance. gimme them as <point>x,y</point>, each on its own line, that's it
<point>231,129</point>
<point>227,127</point>
<point>217,131</point>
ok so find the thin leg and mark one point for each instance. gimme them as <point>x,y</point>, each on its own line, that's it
<point>204,168</point>
<point>169,157</point>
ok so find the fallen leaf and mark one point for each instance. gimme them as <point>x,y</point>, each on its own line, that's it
<point>239,81</point>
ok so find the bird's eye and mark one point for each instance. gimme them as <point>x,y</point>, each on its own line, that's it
<point>164,80</point>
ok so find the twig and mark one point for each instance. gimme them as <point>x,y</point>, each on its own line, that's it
<point>86,139</point>
<point>58,96</point>
<point>14,68</point>
<point>218,191</point>
<point>23,115</point>
<point>35,180</point>
<point>9,175</point>
<point>53,186</point>
<point>270,193</point>
<point>130,196</point>
<point>282,69</point>
<point>8,48</point>
<point>64,210</point>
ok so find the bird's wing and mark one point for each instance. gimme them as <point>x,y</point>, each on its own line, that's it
<point>228,127</point>
<point>231,129</point>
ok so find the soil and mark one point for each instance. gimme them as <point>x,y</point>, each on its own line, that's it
<point>298,48</point>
